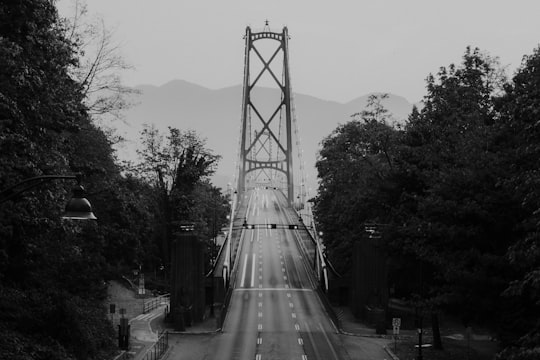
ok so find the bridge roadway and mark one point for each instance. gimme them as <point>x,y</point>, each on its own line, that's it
<point>275,313</point>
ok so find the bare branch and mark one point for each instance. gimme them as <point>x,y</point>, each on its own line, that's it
<point>100,64</point>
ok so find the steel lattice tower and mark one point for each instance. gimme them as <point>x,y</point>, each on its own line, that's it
<point>260,128</point>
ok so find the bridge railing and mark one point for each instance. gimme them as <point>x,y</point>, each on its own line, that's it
<point>226,256</point>
<point>228,252</point>
<point>322,264</point>
<point>151,304</point>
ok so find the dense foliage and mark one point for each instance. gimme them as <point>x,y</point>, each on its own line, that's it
<point>177,166</point>
<point>53,272</point>
<point>454,194</point>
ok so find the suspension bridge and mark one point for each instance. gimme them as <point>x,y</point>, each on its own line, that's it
<point>271,267</point>
<point>270,273</point>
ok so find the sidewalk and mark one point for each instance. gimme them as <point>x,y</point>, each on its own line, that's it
<point>352,328</point>
<point>144,331</point>
<point>143,327</point>
<point>361,340</point>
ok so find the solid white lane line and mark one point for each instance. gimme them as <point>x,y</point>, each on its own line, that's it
<point>244,271</point>
<point>253,270</point>
<point>312,340</point>
<point>329,343</point>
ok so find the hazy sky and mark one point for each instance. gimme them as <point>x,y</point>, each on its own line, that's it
<point>339,49</point>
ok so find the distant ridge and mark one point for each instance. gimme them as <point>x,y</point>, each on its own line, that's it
<point>215,115</point>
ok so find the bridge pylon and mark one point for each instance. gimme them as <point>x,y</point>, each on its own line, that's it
<point>266,153</point>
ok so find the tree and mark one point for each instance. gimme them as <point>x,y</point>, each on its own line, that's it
<point>518,137</point>
<point>100,64</point>
<point>44,261</point>
<point>453,216</point>
<point>355,163</point>
<point>175,165</point>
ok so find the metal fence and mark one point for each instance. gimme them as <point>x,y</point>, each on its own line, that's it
<point>151,304</point>
<point>159,348</point>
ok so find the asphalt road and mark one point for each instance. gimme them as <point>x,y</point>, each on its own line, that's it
<point>275,312</point>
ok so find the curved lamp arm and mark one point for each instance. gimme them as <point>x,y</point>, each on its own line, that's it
<point>78,207</point>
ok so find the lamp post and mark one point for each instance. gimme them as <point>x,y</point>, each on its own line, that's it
<point>420,330</point>
<point>378,297</point>
<point>213,253</point>
<point>419,310</point>
<point>77,208</point>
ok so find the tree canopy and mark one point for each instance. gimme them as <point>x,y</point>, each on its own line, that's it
<point>51,268</point>
<point>454,192</point>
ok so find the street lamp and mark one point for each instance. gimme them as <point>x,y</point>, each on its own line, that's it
<point>77,208</point>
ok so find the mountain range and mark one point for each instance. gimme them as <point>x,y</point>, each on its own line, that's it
<point>216,116</point>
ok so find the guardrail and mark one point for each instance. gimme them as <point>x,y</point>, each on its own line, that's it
<point>159,348</point>
<point>155,302</point>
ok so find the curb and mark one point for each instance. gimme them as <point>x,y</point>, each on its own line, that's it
<point>342,332</point>
<point>208,332</point>
<point>387,337</point>
<point>390,353</point>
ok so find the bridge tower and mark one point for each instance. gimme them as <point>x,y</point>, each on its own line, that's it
<point>266,138</point>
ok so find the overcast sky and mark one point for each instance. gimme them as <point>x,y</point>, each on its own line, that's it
<point>339,49</point>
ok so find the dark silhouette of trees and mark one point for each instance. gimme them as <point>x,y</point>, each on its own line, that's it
<point>518,137</point>
<point>456,190</point>
<point>177,167</point>
<point>53,272</point>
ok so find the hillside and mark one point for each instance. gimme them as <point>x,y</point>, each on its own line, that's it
<point>215,115</point>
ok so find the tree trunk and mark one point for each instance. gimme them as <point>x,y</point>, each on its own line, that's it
<point>437,342</point>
